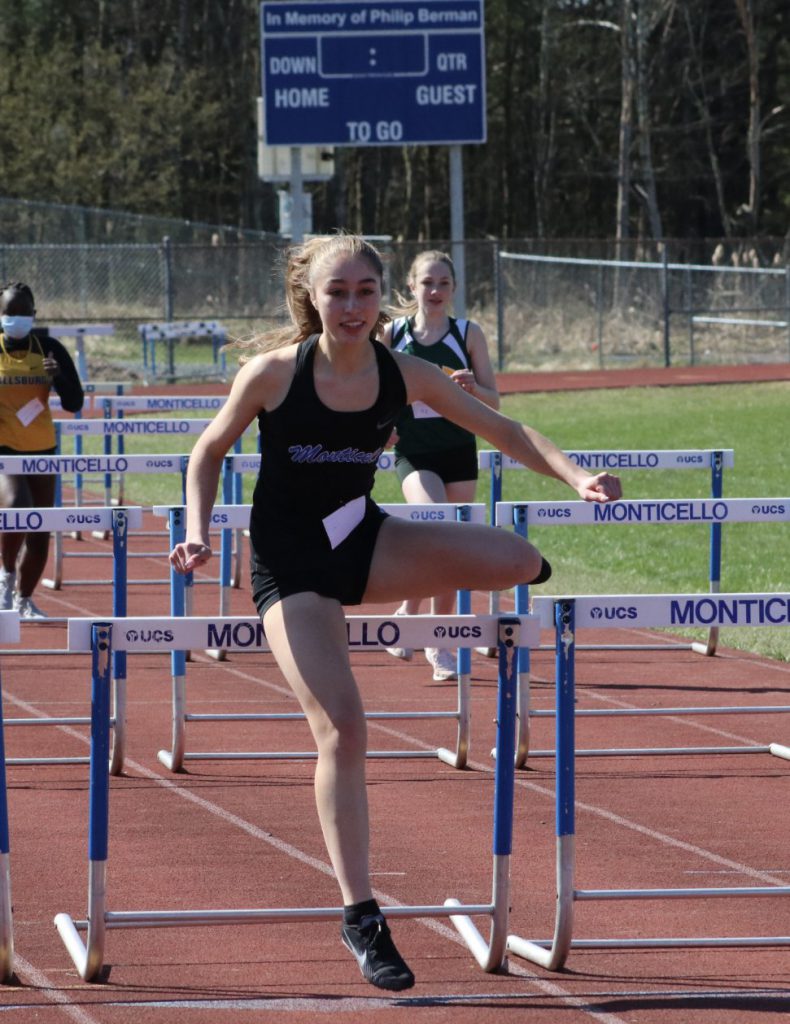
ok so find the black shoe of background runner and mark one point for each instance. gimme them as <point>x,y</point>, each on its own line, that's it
<point>380,962</point>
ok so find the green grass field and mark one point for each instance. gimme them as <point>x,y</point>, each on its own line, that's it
<point>752,419</point>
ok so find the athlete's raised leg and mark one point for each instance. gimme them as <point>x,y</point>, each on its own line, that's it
<point>414,560</point>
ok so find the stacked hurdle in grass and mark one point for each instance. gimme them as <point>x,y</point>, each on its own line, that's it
<point>567,615</point>
<point>170,333</point>
<point>522,515</point>
<point>597,461</point>
<point>117,521</point>
<point>228,517</point>
<point>102,639</point>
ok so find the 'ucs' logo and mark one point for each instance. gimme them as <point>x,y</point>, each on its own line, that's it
<point>149,636</point>
<point>618,612</point>
<point>457,632</point>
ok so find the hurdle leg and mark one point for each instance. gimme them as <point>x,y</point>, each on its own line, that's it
<point>56,581</point>
<point>226,553</point>
<point>554,957</point>
<point>490,955</point>
<point>714,558</point>
<point>6,918</point>
<point>89,957</point>
<point>524,696</point>
<point>173,759</point>
<point>118,753</point>
<point>459,757</point>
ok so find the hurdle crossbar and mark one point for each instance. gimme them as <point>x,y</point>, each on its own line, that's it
<point>715,511</point>
<point>230,517</point>
<point>567,615</point>
<point>168,634</point>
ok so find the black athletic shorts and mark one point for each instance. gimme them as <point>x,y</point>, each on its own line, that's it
<point>451,465</point>
<point>341,572</point>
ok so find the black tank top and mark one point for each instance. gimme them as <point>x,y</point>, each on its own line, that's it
<point>314,459</point>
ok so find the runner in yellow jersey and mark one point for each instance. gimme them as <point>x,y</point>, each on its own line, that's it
<point>29,370</point>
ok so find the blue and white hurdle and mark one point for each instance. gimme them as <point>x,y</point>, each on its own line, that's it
<point>171,331</point>
<point>9,633</point>
<point>228,517</point>
<point>118,522</point>
<point>566,615</point>
<point>119,407</point>
<point>57,465</point>
<point>117,430</point>
<point>521,515</point>
<point>80,332</point>
<point>155,634</point>
<point>599,460</point>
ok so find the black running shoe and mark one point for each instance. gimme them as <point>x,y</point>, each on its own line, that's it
<point>371,943</point>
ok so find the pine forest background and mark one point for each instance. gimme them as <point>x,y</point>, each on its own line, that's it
<point>607,119</point>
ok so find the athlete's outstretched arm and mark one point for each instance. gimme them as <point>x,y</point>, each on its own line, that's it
<point>427,383</point>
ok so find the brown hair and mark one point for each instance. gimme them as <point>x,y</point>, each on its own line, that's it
<point>302,264</point>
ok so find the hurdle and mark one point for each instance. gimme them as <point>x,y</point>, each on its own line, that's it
<point>118,522</point>
<point>566,615</point>
<point>596,461</point>
<point>83,516</point>
<point>9,633</point>
<point>119,407</point>
<point>92,391</point>
<point>80,332</point>
<point>229,516</point>
<point>101,638</point>
<point>171,331</point>
<point>575,513</point>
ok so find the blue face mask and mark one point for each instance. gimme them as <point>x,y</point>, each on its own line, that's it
<point>16,326</point>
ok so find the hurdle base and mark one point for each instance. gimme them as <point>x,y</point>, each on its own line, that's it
<point>6,925</point>
<point>169,760</point>
<point>217,654</point>
<point>779,751</point>
<point>74,945</point>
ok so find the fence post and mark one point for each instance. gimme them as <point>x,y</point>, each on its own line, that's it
<point>665,302</point>
<point>500,308</point>
<point>787,306</point>
<point>167,276</point>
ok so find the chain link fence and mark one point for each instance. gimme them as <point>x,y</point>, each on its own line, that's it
<point>578,313</point>
<point>570,304</point>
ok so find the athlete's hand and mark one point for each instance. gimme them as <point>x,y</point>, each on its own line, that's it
<point>602,487</point>
<point>188,556</point>
<point>51,366</point>
<point>465,380</point>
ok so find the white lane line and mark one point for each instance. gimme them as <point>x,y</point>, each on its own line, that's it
<point>48,988</point>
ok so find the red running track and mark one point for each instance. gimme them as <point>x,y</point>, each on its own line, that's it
<point>245,834</point>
